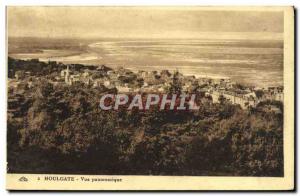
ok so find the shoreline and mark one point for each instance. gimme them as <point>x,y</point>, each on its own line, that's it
<point>135,69</point>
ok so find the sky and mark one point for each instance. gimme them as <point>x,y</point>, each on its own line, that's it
<point>142,22</point>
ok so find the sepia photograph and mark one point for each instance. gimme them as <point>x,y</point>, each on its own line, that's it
<point>150,98</point>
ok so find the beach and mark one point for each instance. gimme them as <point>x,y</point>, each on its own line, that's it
<point>255,62</point>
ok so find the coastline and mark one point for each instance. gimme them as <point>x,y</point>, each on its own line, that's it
<point>185,70</point>
<point>245,61</point>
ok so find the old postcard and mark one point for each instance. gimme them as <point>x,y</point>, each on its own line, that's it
<point>150,98</point>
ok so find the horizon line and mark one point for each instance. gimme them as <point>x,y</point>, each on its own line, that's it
<point>154,38</point>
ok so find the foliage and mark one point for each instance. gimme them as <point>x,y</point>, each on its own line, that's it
<point>61,129</point>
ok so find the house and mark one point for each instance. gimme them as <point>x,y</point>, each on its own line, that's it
<point>124,89</point>
<point>279,96</point>
<point>98,83</point>
<point>243,100</point>
<point>107,83</point>
<point>65,72</point>
<point>20,75</point>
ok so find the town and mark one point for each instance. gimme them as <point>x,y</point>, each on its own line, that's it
<point>122,80</point>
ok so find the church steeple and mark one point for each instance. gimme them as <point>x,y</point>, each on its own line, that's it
<point>67,75</point>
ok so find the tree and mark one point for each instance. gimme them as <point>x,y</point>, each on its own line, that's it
<point>221,99</point>
<point>259,93</point>
<point>44,89</point>
<point>175,86</point>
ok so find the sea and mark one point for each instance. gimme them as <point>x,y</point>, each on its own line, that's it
<point>253,62</point>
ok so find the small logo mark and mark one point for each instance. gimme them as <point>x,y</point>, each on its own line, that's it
<point>23,179</point>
